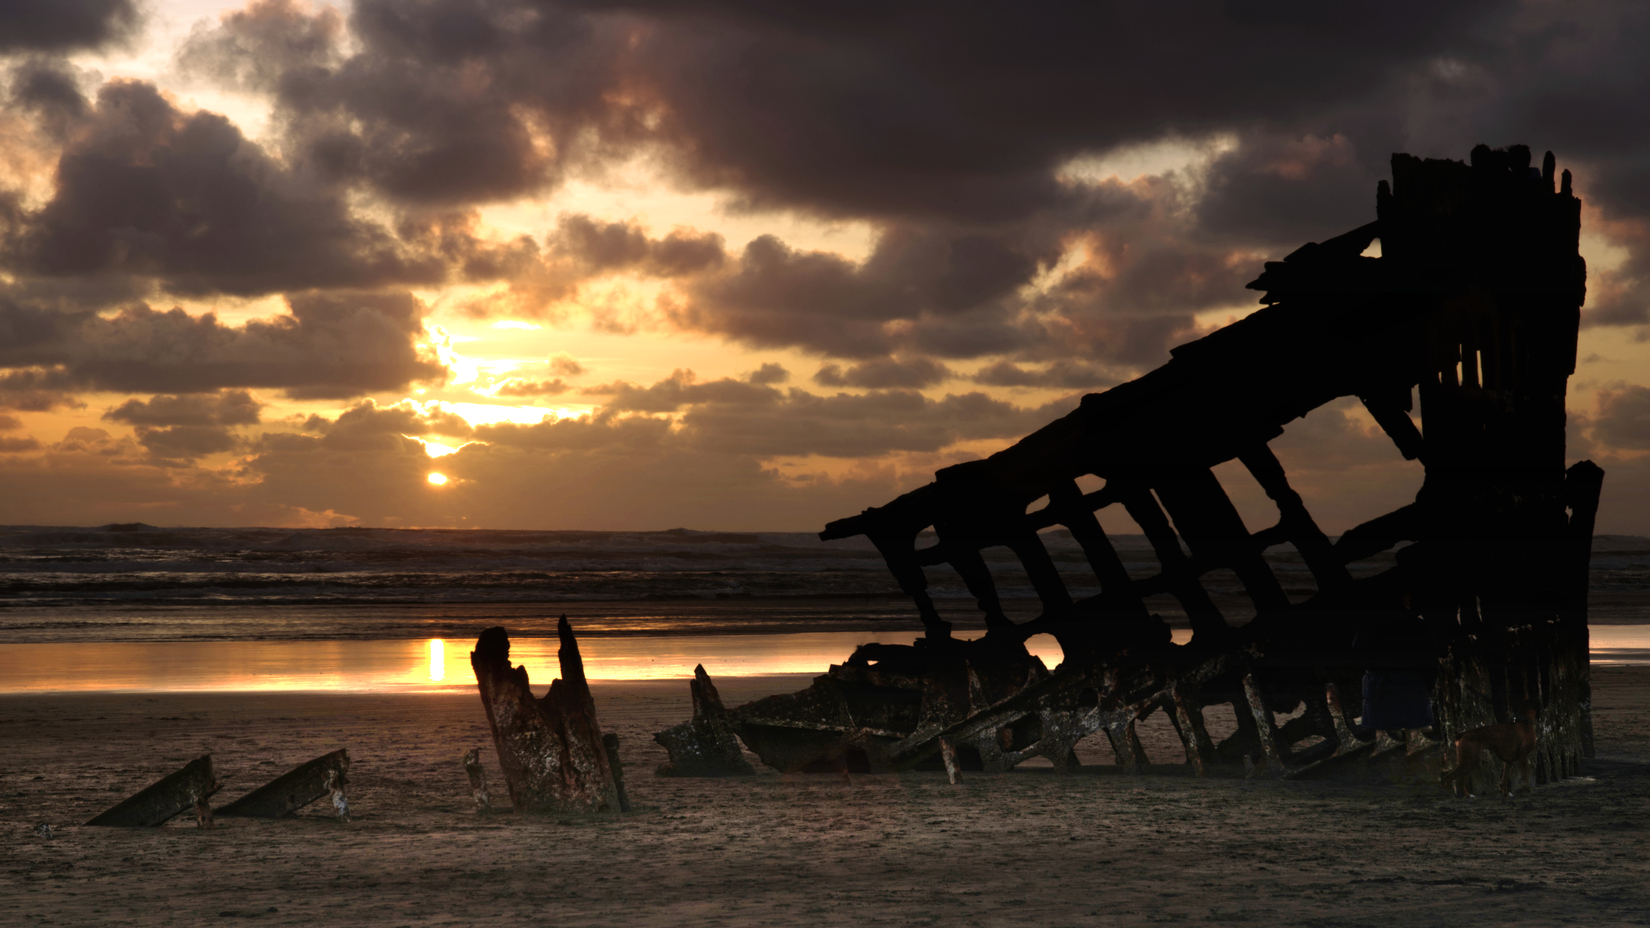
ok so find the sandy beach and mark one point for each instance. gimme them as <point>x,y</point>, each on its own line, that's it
<point>1026,848</point>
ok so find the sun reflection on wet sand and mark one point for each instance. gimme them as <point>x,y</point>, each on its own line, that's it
<point>438,660</point>
<point>421,665</point>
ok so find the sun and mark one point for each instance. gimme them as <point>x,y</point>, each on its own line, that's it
<point>438,479</point>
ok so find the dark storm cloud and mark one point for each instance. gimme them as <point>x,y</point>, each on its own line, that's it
<point>944,125</point>
<point>330,345</point>
<point>939,109</point>
<point>847,425</point>
<point>882,373</point>
<point>960,110</point>
<point>748,417</point>
<point>368,426</point>
<point>915,281</point>
<point>682,388</point>
<point>51,91</point>
<point>770,373</point>
<point>19,390</point>
<point>616,246</point>
<point>149,191</point>
<point>182,443</point>
<point>231,407</point>
<point>255,48</point>
<point>10,445</point>
<point>1068,375</point>
<point>1286,189</point>
<point>444,101</point>
<point>581,434</point>
<point>63,25</point>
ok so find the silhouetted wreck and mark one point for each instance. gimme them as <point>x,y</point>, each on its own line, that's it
<point>1473,307</point>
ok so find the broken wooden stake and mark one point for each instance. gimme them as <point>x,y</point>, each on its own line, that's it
<point>157,804</point>
<point>550,749</point>
<point>478,781</point>
<point>298,787</point>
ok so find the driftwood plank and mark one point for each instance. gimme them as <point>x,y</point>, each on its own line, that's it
<point>159,803</point>
<point>294,789</point>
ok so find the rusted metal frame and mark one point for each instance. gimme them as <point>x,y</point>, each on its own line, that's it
<point>1126,747</point>
<point>1582,484</point>
<point>1379,534</point>
<point>1200,609</point>
<point>1116,586</point>
<point>1294,518</point>
<point>931,556</point>
<point>1197,565</point>
<point>1206,518</point>
<point>1344,736</point>
<point>705,745</point>
<point>969,564</point>
<point>1396,423</point>
<point>1060,686</point>
<point>900,554</point>
<point>1315,721</point>
<point>1188,722</point>
<point>1271,535</point>
<point>1040,570</point>
<point>991,522</point>
<point>1090,502</point>
<point>1266,728</point>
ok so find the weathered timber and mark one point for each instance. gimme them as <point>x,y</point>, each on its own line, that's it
<point>1458,340</point>
<point>478,781</point>
<point>292,790</point>
<point>704,746</point>
<point>183,791</point>
<point>550,749</point>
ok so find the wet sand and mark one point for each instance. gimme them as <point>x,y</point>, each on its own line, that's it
<point>1026,848</point>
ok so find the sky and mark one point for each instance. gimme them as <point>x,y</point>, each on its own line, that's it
<point>521,264</point>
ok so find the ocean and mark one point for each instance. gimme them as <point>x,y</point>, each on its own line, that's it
<point>193,608</point>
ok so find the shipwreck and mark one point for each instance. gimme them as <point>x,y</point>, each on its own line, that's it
<point>1459,339</point>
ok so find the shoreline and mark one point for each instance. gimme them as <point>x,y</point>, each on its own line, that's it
<point>1026,847</point>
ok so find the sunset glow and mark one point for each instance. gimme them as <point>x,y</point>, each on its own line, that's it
<point>438,479</point>
<point>691,312</point>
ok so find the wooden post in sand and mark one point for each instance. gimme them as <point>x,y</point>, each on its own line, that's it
<point>324,776</point>
<point>550,749</point>
<point>157,804</point>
